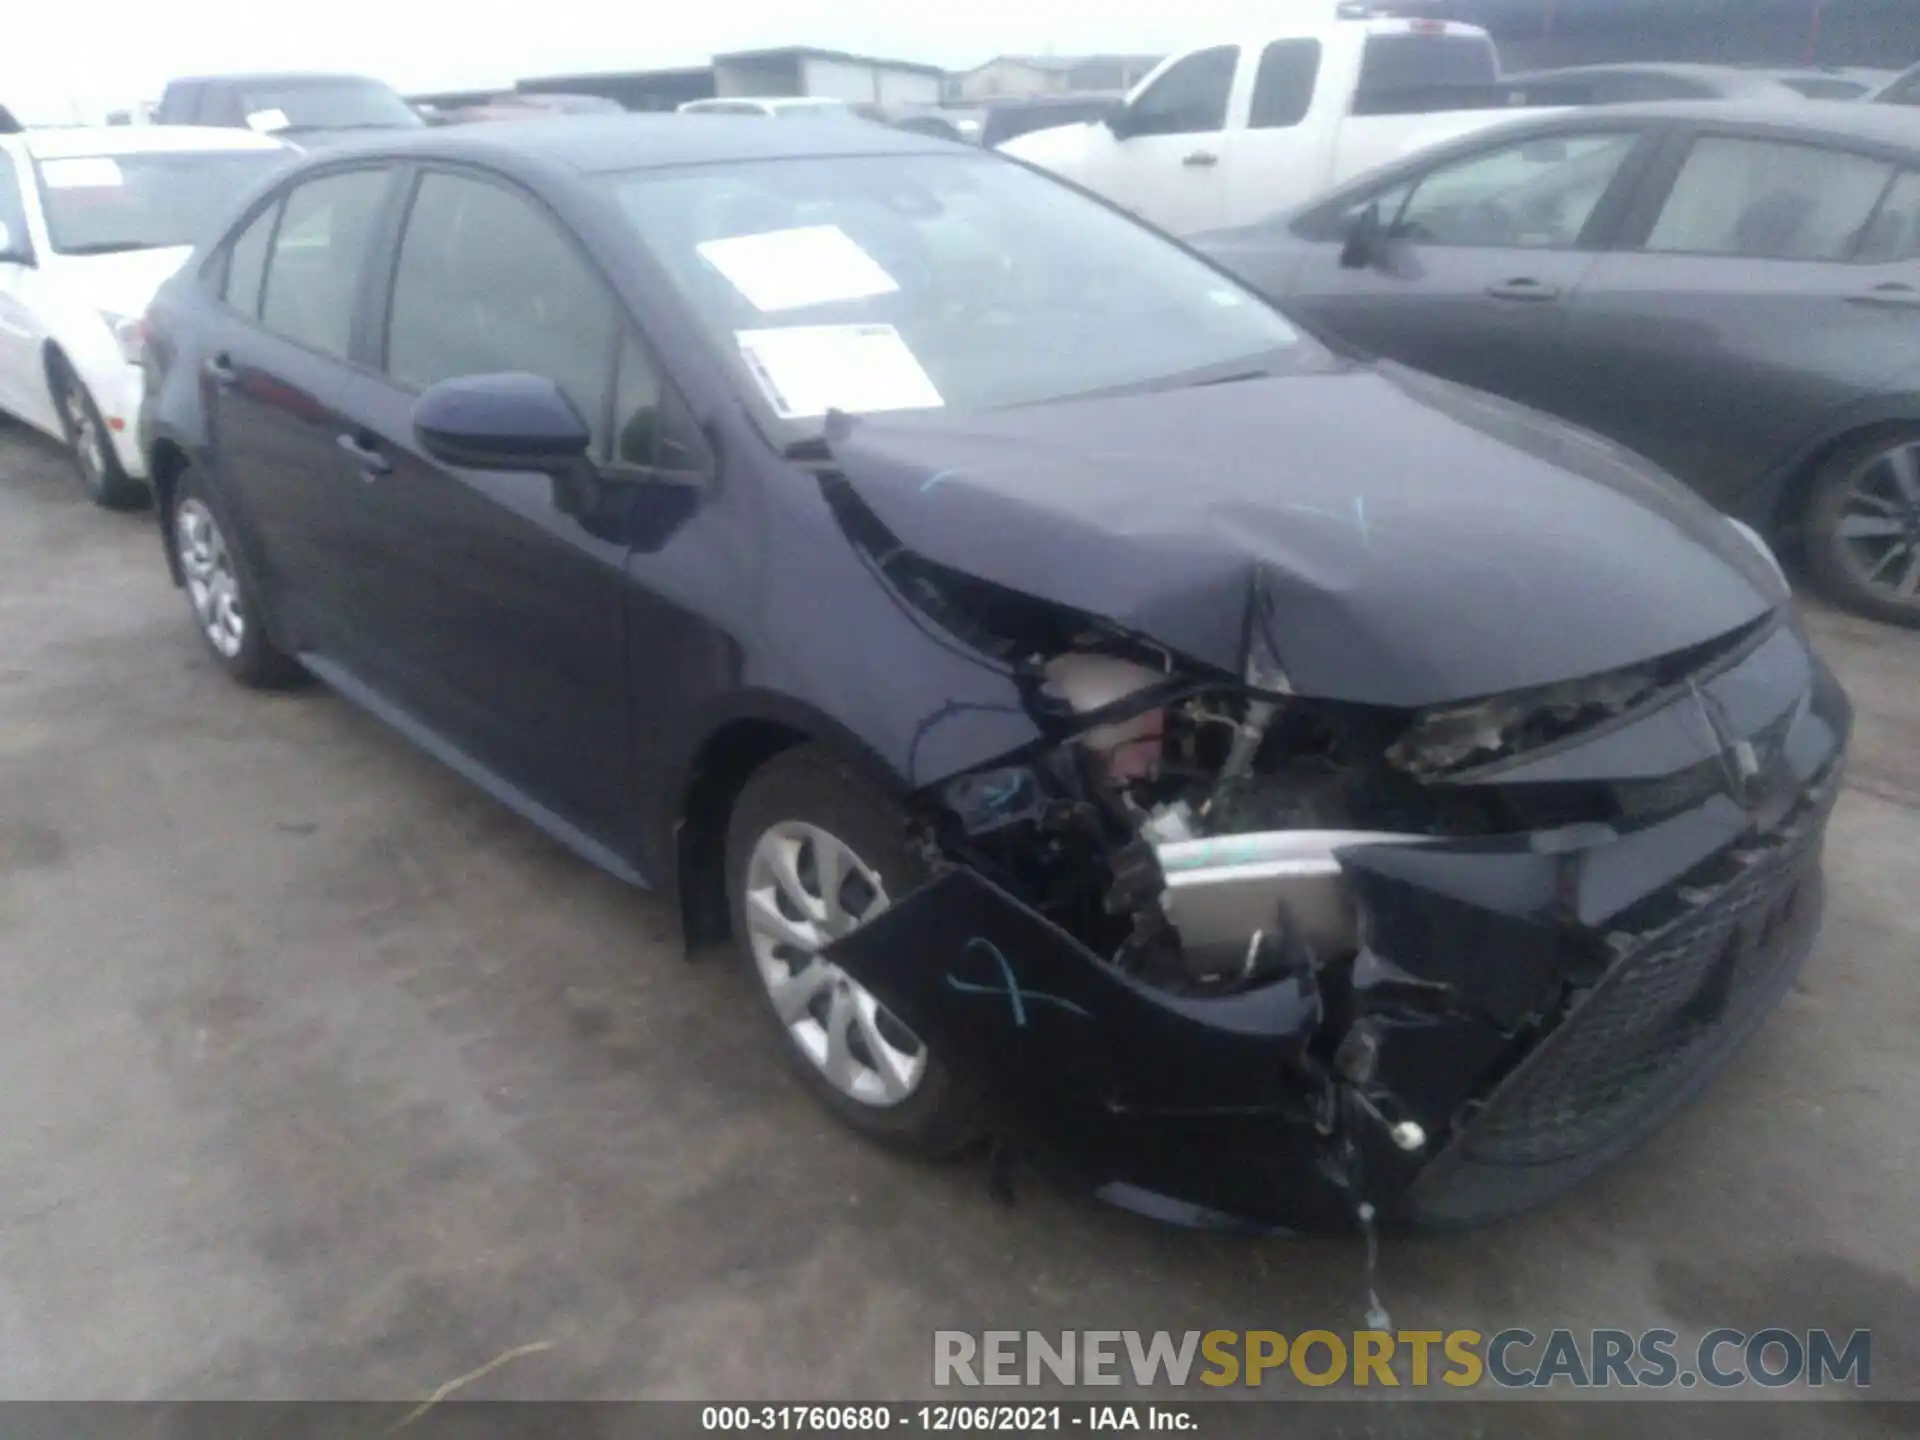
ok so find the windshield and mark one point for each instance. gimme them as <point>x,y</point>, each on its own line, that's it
<point>888,282</point>
<point>326,105</point>
<point>98,204</point>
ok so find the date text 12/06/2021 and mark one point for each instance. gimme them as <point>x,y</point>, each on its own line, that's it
<point>979,1419</point>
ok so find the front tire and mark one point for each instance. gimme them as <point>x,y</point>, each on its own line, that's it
<point>814,850</point>
<point>1863,527</point>
<point>226,608</point>
<point>91,446</point>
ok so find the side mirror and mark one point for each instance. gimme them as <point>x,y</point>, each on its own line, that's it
<point>14,251</point>
<point>1120,121</point>
<point>511,421</point>
<point>1365,240</point>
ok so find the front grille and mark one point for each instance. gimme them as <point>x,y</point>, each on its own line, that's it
<point>1658,1016</point>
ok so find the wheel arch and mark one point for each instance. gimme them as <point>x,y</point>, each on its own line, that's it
<point>734,748</point>
<point>1784,499</point>
<point>167,461</point>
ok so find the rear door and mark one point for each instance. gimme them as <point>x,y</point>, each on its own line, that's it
<point>500,603</point>
<point>1771,283</point>
<point>279,381</point>
<point>1482,255</point>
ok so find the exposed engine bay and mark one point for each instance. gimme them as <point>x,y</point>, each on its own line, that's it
<point>1255,929</point>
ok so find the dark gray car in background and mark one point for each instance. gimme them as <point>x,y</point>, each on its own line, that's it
<point>1732,291</point>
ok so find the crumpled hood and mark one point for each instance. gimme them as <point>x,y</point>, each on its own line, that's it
<point>1403,541</point>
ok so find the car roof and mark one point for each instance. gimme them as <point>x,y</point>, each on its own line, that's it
<point>1889,126</point>
<point>594,144</point>
<point>78,140</point>
<point>1755,82</point>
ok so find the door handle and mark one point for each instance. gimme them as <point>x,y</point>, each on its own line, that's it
<point>220,370</point>
<point>371,462</point>
<point>1200,159</point>
<point>1896,295</point>
<point>1524,288</point>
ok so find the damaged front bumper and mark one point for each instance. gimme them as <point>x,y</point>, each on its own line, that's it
<point>1514,1011</point>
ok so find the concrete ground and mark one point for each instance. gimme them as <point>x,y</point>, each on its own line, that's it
<point>323,1076</point>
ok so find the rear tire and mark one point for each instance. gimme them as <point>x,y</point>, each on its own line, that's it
<point>1863,527</point>
<point>226,607</point>
<point>804,819</point>
<point>91,445</point>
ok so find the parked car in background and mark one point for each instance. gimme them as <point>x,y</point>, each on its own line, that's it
<point>1280,786</point>
<point>1834,82</point>
<point>306,110</point>
<point>1630,83</point>
<point>776,107</point>
<point>1904,89</point>
<point>91,221</point>
<point>1227,133</point>
<point>1731,291</point>
<point>960,124</point>
<point>527,105</point>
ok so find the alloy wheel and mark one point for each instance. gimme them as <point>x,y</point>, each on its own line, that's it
<point>805,889</point>
<point>1879,526</point>
<point>212,584</point>
<point>89,445</point>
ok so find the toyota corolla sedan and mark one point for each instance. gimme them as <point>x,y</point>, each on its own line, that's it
<point>1285,790</point>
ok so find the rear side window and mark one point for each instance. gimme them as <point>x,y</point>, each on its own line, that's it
<point>1190,98</point>
<point>313,277</point>
<point>1762,199</point>
<point>1905,91</point>
<point>247,263</point>
<point>1283,87</point>
<point>486,283</point>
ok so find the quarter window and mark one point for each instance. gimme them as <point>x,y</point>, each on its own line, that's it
<point>1894,232</point>
<point>1537,194</point>
<point>1283,88</point>
<point>1767,200</point>
<point>1190,99</point>
<point>487,283</point>
<point>326,230</point>
<point>247,263</point>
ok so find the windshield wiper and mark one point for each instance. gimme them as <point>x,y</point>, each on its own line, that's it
<point>111,247</point>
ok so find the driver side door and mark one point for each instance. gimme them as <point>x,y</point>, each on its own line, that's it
<point>1167,160</point>
<point>1479,258</point>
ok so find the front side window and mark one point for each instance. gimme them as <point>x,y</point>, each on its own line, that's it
<point>104,204</point>
<point>1283,87</point>
<point>486,282</point>
<point>1537,194</point>
<point>880,282</point>
<point>1894,232</point>
<point>1904,91</point>
<point>319,251</point>
<point>1190,98</point>
<point>1765,199</point>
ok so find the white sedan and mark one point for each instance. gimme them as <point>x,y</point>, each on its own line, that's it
<point>91,222</point>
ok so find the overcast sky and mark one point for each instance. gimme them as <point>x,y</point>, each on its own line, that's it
<point>104,53</point>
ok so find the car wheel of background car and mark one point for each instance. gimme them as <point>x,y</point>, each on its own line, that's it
<point>813,850</point>
<point>224,605</point>
<point>107,484</point>
<point>1863,527</point>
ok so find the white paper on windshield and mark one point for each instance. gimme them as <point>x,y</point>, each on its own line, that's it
<point>90,172</point>
<point>807,370</point>
<point>267,121</point>
<point>786,269</point>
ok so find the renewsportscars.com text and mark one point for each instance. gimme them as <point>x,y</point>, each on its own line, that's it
<point>1516,1358</point>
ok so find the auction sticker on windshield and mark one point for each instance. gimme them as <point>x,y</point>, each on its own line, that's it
<point>807,370</point>
<point>87,172</point>
<point>789,269</point>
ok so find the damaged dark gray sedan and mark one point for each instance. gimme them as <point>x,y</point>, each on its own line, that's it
<point>1274,786</point>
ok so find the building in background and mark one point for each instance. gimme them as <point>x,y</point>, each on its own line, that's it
<point>1028,75</point>
<point>789,70</point>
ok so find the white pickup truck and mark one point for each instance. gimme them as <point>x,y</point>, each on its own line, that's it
<point>1229,133</point>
